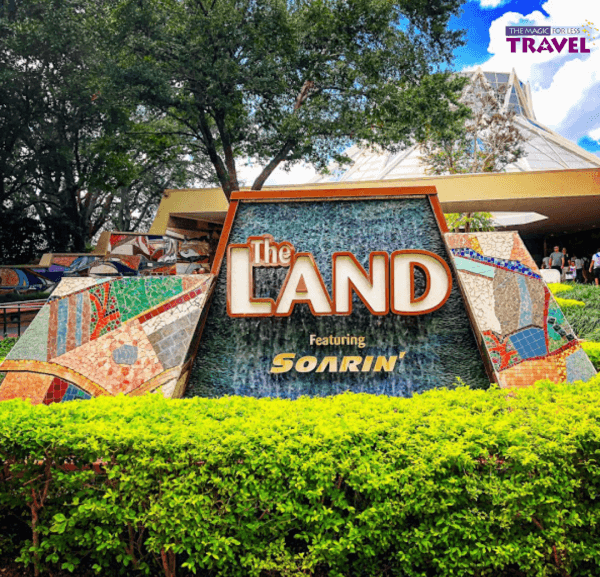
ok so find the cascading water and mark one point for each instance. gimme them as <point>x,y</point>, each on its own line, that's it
<point>236,354</point>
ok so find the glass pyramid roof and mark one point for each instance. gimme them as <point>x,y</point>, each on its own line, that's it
<point>544,148</point>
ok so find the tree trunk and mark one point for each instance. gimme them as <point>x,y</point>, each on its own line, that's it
<point>268,170</point>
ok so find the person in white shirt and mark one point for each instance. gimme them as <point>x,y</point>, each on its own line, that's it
<point>595,264</point>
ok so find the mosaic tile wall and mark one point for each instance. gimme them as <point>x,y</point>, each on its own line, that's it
<point>124,255</point>
<point>108,336</point>
<point>37,278</point>
<point>518,322</point>
<point>235,354</point>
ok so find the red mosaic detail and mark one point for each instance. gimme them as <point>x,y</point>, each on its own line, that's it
<point>164,270</point>
<point>545,320</point>
<point>56,391</point>
<point>132,261</point>
<point>105,315</point>
<point>116,239</point>
<point>503,357</point>
<point>458,241</point>
<point>170,305</point>
<point>63,260</point>
<point>8,277</point>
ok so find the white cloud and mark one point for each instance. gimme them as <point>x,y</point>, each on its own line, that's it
<point>565,87</point>
<point>594,134</point>
<point>491,3</point>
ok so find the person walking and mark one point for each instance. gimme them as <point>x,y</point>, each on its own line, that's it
<point>595,265</point>
<point>565,264</point>
<point>579,267</point>
<point>557,260</point>
<point>546,262</point>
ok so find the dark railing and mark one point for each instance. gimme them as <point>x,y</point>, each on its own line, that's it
<point>11,314</point>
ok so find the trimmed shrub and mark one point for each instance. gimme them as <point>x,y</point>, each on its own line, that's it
<point>569,303</point>
<point>5,346</point>
<point>593,352</point>
<point>450,482</point>
<point>557,288</point>
<point>585,320</point>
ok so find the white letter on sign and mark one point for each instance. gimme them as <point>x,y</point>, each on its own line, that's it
<point>304,284</point>
<point>372,289</point>
<point>240,289</point>
<point>438,282</point>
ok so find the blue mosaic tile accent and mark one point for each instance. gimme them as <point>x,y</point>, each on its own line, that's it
<point>474,267</point>
<point>526,310</point>
<point>511,265</point>
<point>78,316</point>
<point>530,343</point>
<point>74,393</point>
<point>125,355</point>
<point>62,326</point>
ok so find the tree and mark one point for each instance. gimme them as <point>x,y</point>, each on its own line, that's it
<point>487,140</point>
<point>76,156</point>
<point>283,81</point>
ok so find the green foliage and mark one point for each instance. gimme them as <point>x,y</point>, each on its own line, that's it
<point>24,296</point>
<point>451,482</point>
<point>76,156</point>
<point>282,82</point>
<point>593,352</point>
<point>6,345</point>
<point>569,303</point>
<point>584,320</point>
<point>469,221</point>
<point>556,288</point>
<point>487,141</point>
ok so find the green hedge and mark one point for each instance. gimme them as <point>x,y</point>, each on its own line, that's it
<point>593,352</point>
<point>585,320</point>
<point>451,482</point>
<point>5,346</point>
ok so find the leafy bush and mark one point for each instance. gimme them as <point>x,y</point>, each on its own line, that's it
<point>557,288</point>
<point>584,320</point>
<point>5,346</point>
<point>451,482</point>
<point>593,352</point>
<point>16,296</point>
<point>568,303</point>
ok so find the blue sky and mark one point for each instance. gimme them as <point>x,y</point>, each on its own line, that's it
<point>565,88</point>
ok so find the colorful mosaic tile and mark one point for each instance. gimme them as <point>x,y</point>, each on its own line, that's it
<point>530,342</point>
<point>136,295</point>
<point>174,310</point>
<point>94,360</point>
<point>56,391</point>
<point>80,345</point>
<point>74,393</point>
<point>526,336</point>
<point>494,245</point>
<point>481,291</point>
<point>36,345</point>
<point>501,350</point>
<point>125,355</point>
<point>506,264</point>
<point>577,366</point>
<point>23,385</point>
<point>71,285</point>
<point>105,315</point>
